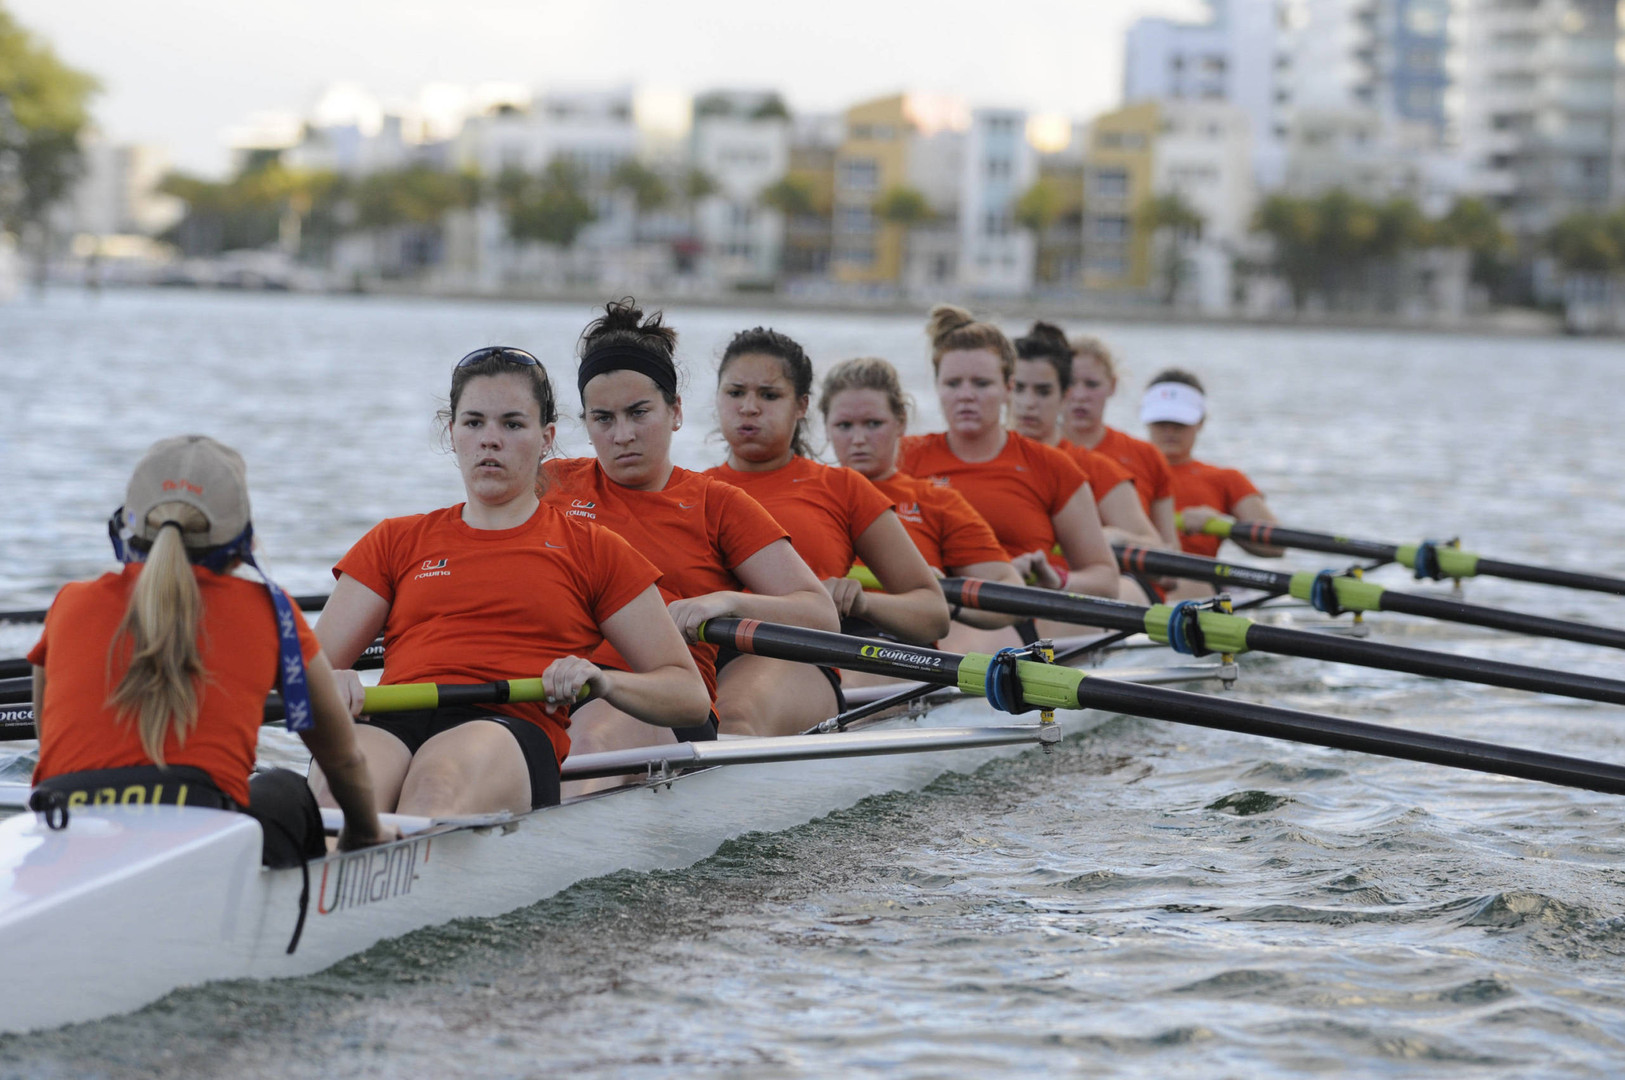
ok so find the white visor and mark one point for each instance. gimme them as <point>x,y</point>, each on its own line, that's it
<point>1172,402</point>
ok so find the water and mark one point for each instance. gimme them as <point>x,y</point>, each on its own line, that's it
<point>1150,901</point>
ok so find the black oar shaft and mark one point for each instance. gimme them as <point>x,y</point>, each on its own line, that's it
<point>1177,706</point>
<point>1066,607</point>
<point>1548,575</point>
<point>1517,622</point>
<point>1228,714</point>
<point>1375,654</point>
<point>1225,575</point>
<point>1256,532</point>
<point>28,615</point>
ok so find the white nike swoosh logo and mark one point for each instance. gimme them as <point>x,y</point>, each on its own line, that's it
<point>686,506</point>
<point>799,479</point>
<point>551,544</point>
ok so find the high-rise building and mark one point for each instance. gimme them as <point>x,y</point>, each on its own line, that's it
<point>741,141</point>
<point>1543,126</point>
<point>998,165</point>
<point>1241,54</point>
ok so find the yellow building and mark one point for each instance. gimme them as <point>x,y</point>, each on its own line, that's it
<point>872,159</point>
<point>1116,183</point>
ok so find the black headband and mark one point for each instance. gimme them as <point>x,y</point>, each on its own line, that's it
<point>627,357</point>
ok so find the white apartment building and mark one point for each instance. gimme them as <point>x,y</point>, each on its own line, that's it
<point>117,194</point>
<point>996,255</point>
<point>741,140</point>
<point>1543,119</point>
<point>1241,54</point>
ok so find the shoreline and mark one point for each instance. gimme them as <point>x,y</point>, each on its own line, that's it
<point>1516,322</point>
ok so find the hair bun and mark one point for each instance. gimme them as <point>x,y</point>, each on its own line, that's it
<point>623,316</point>
<point>945,319</point>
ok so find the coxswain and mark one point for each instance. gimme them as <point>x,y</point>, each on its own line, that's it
<point>721,555</point>
<point>1043,373</point>
<point>500,586</point>
<point>150,684</point>
<point>1083,423</point>
<point>834,517</point>
<point>865,416</point>
<point>1173,410</point>
<point>1034,496</point>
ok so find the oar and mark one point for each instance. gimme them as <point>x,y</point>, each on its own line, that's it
<point>1051,686</point>
<point>1334,594</point>
<point>1195,631</point>
<point>17,722</point>
<point>28,615</point>
<point>370,659</point>
<point>1428,559</point>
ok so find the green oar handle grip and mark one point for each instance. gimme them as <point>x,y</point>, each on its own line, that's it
<point>1222,633</point>
<point>865,577</point>
<point>407,697</point>
<point>1213,526</point>
<point>1453,562</point>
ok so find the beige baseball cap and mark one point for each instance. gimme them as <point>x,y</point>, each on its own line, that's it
<point>196,470</point>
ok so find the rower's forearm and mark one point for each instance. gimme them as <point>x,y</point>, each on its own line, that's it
<point>670,696</point>
<point>813,610</point>
<point>1263,551</point>
<point>1094,580</point>
<point>350,782</point>
<point>986,620</point>
<point>919,616</point>
<point>1115,535</point>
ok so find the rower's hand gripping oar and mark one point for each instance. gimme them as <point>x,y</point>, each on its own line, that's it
<point>1429,559</point>
<point>1335,593</point>
<point>1050,686</point>
<point>1199,629</point>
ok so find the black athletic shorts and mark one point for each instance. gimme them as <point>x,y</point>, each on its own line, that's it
<point>418,727</point>
<point>727,655</point>
<point>279,799</point>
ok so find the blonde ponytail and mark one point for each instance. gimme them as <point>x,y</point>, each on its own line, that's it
<point>160,689</point>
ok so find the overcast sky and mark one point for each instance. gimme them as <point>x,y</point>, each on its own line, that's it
<point>178,73</point>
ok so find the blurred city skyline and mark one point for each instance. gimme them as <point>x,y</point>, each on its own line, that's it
<point>184,74</point>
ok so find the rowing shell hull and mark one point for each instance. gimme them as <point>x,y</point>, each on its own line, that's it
<point>129,903</point>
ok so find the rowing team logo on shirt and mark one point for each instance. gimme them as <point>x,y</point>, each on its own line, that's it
<point>432,568</point>
<point>582,508</point>
<point>910,512</point>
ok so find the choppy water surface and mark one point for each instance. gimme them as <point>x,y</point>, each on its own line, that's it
<point>1148,901</point>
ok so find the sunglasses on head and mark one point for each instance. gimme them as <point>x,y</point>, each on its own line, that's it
<point>499,352</point>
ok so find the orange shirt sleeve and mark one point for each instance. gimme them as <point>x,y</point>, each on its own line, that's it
<point>866,501</point>
<point>372,560</point>
<point>967,538</point>
<point>1065,478</point>
<point>742,525</point>
<point>618,574</point>
<point>1235,486</point>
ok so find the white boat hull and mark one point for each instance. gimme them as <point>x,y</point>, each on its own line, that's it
<point>129,903</point>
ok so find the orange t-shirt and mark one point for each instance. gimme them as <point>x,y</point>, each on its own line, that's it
<point>1103,473</point>
<point>696,530</point>
<point>471,605</point>
<point>825,508</point>
<point>241,654</point>
<point>1017,493</point>
<point>1144,462</point>
<point>1197,483</point>
<point>947,529</point>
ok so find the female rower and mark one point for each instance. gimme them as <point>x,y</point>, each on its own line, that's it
<point>1083,423</point>
<point>1043,373</point>
<point>150,684</point>
<point>720,553</point>
<point>498,587</point>
<point>1174,410</point>
<point>865,414</point>
<point>834,516</point>
<point>1033,495</point>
